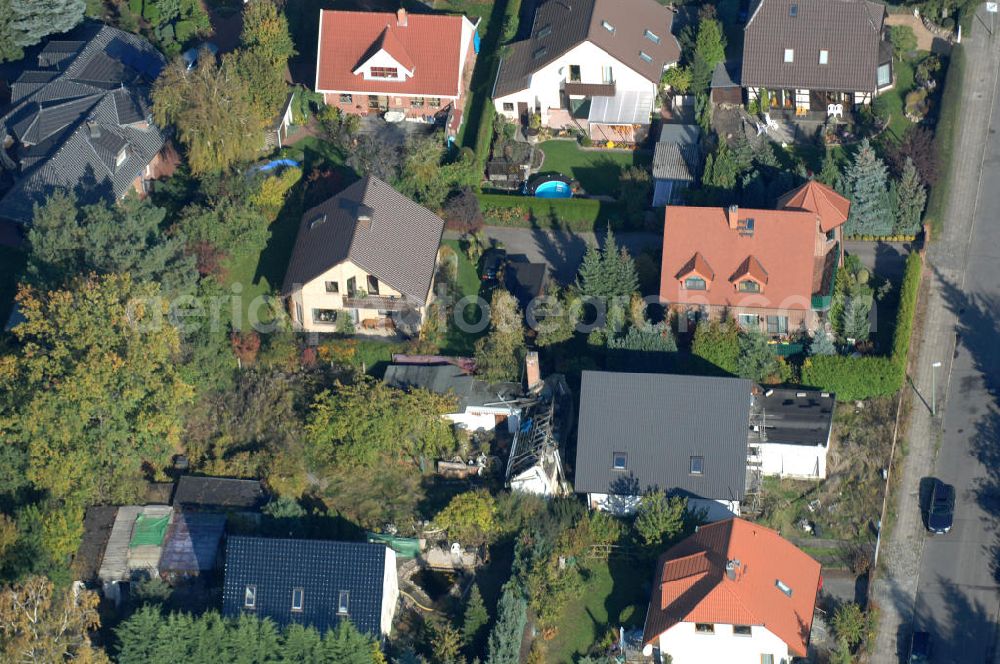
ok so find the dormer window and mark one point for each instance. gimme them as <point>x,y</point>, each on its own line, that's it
<point>383,72</point>
<point>695,283</point>
<point>607,26</point>
<point>748,286</point>
<point>789,55</point>
<point>824,56</point>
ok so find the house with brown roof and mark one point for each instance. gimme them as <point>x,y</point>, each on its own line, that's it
<point>733,592</point>
<point>416,66</point>
<point>369,253</point>
<point>594,64</point>
<point>816,58</point>
<point>771,270</point>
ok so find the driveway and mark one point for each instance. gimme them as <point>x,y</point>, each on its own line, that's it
<point>886,259</point>
<point>563,251</point>
<point>947,585</point>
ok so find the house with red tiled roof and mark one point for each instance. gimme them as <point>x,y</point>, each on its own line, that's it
<point>413,66</point>
<point>733,592</point>
<point>771,270</point>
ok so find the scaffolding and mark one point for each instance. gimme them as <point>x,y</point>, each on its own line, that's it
<point>536,442</point>
<point>756,437</point>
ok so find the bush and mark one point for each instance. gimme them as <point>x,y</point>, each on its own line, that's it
<point>185,30</point>
<point>944,137</point>
<point>853,378</point>
<point>462,212</point>
<point>575,214</point>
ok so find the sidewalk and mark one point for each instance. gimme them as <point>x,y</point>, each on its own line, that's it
<point>895,586</point>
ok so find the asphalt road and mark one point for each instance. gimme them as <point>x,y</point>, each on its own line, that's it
<point>957,598</point>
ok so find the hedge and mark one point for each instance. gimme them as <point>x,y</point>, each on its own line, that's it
<point>853,378</point>
<point>572,214</point>
<point>945,135</point>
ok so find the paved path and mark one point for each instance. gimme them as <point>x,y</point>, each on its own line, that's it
<point>946,584</point>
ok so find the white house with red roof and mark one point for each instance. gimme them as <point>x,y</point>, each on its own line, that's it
<point>734,592</point>
<point>415,65</point>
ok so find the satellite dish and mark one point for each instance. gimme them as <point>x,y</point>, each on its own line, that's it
<point>456,549</point>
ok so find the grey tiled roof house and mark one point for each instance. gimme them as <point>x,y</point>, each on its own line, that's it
<point>682,434</point>
<point>311,582</point>
<point>369,252</point>
<point>81,120</point>
<point>813,55</point>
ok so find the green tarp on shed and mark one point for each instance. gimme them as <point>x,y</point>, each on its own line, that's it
<point>405,547</point>
<point>149,531</point>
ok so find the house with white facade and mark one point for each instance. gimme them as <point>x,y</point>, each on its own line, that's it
<point>368,253</point>
<point>816,58</point>
<point>793,429</point>
<point>590,64</point>
<point>479,405</point>
<point>734,592</point>
<point>687,435</point>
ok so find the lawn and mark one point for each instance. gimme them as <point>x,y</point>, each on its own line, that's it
<point>262,274</point>
<point>893,101</point>
<point>457,342</point>
<point>597,170</point>
<point>615,594</point>
<point>11,266</point>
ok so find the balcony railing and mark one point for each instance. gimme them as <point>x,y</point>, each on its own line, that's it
<point>380,302</point>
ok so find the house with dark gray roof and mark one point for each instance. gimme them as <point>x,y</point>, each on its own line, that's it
<point>816,58</point>
<point>311,582</point>
<point>676,161</point>
<point>81,121</point>
<point>369,253</point>
<point>594,64</point>
<point>794,429</point>
<point>478,405</point>
<point>687,435</point>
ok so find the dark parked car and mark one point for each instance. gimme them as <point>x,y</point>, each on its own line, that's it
<point>941,509</point>
<point>493,263</point>
<point>920,648</point>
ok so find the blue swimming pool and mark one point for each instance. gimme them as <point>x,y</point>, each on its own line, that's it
<point>553,189</point>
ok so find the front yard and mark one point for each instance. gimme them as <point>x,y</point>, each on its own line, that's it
<point>596,170</point>
<point>891,102</point>
<point>847,505</point>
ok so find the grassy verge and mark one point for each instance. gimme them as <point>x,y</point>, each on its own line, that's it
<point>946,133</point>
<point>614,594</point>
<point>597,171</point>
<point>457,342</point>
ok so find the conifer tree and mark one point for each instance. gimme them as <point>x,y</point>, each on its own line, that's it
<point>867,187</point>
<point>475,617</point>
<point>910,199</point>
<point>505,639</point>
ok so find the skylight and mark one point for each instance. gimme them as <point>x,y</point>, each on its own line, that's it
<point>620,461</point>
<point>697,465</point>
<point>789,55</point>
<point>646,57</point>
<point>824,56</point>
<point>793,11</point>
<point>540,53</point>
<point>607,26</point>
<point>783,587</point>
<point>544,31</point>
<point>651,36</point>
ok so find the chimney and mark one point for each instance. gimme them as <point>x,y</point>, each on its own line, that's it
<point>401,19</point>
<point>733,216</point>
<point>364,220</point>
<point>532,371</point>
